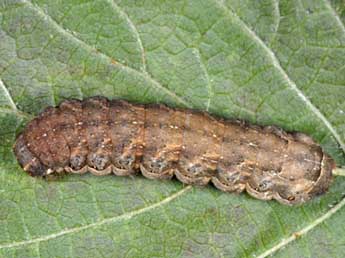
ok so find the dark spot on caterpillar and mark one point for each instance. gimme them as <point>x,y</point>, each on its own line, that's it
<point>77,161</point>
<point>195,169</point>
<point>113,136</point>
<point>98,161</point>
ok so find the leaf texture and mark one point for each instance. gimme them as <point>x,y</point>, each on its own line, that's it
<point>268,62</point>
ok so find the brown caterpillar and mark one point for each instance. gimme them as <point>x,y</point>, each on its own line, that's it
<point>113,136</point>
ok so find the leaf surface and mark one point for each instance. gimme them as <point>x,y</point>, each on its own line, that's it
<point>268,62</point>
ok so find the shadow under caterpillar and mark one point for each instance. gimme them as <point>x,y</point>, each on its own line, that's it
<point>113,136</point>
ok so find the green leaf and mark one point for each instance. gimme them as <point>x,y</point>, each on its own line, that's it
<point>269,62</point>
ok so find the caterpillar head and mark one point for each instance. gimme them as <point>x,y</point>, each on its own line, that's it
<point>31,164</point>
<point>268,185</point>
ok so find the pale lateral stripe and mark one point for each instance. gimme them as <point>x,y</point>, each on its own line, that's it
<point>303,231</point>
<point>8,96</point>
<point>125,216</point>
<point>290,83</point>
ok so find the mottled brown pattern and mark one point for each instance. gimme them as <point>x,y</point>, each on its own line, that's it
<point>103,137</point>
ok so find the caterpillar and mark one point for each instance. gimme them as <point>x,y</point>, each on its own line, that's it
<point>105,136</point>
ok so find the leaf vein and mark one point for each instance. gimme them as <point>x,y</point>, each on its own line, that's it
<point>285,76</point>
<point>8,96</point>
<point>208,83</point>
<point>303,231</point>
<point>134,30</point>
<point>60,29</point>
<point>335,15</point>
<point>125,216</point>
<point>16,112</point>
<point>277,13</point>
